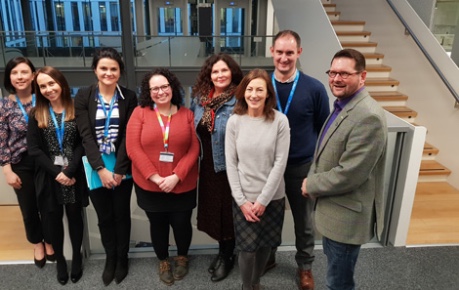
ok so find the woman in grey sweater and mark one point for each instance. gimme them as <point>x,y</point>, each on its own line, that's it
<point>256,149</point>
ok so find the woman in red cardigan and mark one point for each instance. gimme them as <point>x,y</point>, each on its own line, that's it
<point>162,144</point>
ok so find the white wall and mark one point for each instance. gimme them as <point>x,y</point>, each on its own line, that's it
<point>427,93</point>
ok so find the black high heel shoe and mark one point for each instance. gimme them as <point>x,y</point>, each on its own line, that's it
<point>76,277</point>
<point>62,274</point>
<point>76,266</point>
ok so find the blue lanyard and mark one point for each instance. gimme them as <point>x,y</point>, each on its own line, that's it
<point>109,115</point>
<point>290,97</point>
<point>18,101</point>
<point>59,129</point>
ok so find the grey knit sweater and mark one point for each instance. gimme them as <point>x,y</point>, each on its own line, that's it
<point>256,152</point>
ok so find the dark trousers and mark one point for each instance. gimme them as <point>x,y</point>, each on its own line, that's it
<point>56,228</point>
<point>160,223</point>
<point>34,223</point>
<point>302,209</point>
<point>113,208</point>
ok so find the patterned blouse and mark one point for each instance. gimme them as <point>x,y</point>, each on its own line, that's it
<point>13,131</point>
<point>68,192</point>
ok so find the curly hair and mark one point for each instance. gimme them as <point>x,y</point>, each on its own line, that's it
<point>241,106</point>
<point>204,83</point>
<point>177,89</point>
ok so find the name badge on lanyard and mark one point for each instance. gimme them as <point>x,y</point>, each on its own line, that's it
<point>165,156</point>
<point>59,160</point>
<point>107,146</point>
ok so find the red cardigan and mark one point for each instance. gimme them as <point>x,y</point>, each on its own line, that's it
<point>144,142</point>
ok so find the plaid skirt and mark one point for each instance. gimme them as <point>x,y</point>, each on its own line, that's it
<point>267,232</point>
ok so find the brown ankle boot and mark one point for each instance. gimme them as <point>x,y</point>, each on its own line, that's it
<point>165,273</point>
<point>180,267</point>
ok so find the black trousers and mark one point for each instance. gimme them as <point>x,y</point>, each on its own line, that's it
<point>160,223</point>
<point>56,228</point>
<point>34,222</point>
<point>113,208</point>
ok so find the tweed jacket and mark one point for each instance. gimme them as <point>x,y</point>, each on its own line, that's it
<point>347,174</point>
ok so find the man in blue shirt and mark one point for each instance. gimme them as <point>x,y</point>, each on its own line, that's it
<point>304,101</point>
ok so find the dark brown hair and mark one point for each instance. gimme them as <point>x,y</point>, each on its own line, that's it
<point>10,66</point>
<point>352,54</point>
<point>176,88</point>
<point>204,82</point>
<point>283,33</point>
<point>241,106</point>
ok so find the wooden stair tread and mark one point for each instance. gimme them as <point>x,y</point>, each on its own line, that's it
<point>388,96</point>
<point>329,5</point>
<point>358,44</point>
<point>430,150</point>
<point>378,68</point>
<point>373,55</point>
<point>401,111</point>
<point>381,82</point>
<point>432,167</point>
<point>347,22</point>
<point>335,13</point>
<point>353,33</point>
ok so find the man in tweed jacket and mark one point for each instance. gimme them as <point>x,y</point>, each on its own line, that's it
<point>347,174</point>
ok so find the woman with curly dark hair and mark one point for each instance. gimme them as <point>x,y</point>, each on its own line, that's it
<point>162,144</point>
<point>212,105</point>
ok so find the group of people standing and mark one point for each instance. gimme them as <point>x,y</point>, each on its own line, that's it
<point>255,137</point>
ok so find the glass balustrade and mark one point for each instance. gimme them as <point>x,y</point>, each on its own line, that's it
<point>71,49</point>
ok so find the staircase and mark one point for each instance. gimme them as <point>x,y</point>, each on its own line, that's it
<point>425,227</point>
<point>382,87</point>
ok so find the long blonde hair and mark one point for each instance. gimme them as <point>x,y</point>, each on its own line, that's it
<point>41,110</point>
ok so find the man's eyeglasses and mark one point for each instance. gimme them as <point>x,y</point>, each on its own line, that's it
<point>344,75</point>
<point>163,88</point>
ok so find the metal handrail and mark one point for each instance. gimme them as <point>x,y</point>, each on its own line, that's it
<point>454,90</point>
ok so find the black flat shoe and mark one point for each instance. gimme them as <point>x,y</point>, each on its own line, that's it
<point>76,277</point>
<point>51,258</point>
<point>40,263</point>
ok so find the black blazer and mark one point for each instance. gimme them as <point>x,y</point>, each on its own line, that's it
<point>85,112</point>
<point>46,172</point>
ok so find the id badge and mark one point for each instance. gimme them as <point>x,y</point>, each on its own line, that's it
<point>166,157</point>
<point>59,160</point>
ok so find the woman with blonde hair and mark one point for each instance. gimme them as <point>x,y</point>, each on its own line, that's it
<point>54,142</point>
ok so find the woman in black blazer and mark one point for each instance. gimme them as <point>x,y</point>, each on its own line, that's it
<point>53,141</point>
<point>102,112</point>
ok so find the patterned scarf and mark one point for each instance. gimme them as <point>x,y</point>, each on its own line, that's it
<point>211,104</point>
